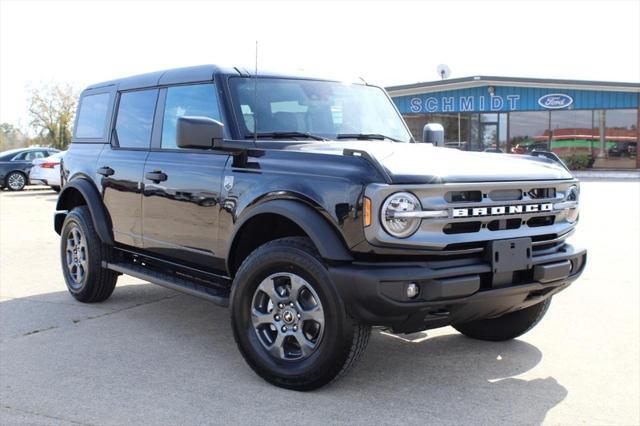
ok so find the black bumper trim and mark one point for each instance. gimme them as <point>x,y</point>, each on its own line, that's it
<point>375,293</point>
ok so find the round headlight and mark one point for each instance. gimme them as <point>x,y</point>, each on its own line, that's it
<point>393,220</point>
<point>573,194</point>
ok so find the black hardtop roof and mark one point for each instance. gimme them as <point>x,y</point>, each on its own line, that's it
<point>193,74</point>
<point>172,76</point>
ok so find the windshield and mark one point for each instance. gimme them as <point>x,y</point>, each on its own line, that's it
<point>318,109</point>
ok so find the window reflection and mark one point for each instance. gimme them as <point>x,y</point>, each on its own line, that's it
<point>601,139</point>
<point>571,133</point>
<point>616,138</point>
<point>528,131</point>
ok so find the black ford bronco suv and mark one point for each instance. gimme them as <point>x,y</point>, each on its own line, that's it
<point>306,206</point>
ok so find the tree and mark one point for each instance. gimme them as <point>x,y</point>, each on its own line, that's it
<point>11,137</point>
<point>52,110</point>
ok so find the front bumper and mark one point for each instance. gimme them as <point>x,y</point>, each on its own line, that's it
<point>451,291</point>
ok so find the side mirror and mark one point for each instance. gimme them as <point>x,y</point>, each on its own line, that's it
<point>198,132</point>
<point>433,133</point>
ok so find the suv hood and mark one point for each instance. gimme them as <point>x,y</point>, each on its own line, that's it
<point>424,163</point>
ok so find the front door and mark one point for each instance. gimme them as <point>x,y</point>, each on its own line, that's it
<point>180,203</point>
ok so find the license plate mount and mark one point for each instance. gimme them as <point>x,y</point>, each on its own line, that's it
<point>511,255</point>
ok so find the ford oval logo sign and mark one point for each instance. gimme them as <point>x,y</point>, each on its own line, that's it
<point>555,101</point>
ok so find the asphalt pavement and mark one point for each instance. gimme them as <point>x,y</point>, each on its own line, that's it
<point>149,355</point>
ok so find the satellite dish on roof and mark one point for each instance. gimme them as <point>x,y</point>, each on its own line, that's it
<point>443,71</point>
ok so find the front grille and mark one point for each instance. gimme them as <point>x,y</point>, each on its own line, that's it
<point>463,196</point>
<point>540,193</point>
<point>539,242</point>
<point>476,212</point>
<point>506,195</point>
<point>534,222</point>
<point>548,243</point>
<point>502,224</point>
<point>461,227</point>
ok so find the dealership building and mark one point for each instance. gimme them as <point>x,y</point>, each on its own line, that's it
<point>592,122</point>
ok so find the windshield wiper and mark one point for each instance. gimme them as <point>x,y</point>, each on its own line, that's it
<point>285,135</point>
<point>365,136</point>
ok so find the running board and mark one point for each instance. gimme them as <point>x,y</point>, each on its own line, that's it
<point>202,289</point>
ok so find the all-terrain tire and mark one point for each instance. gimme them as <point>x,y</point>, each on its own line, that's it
<point>506,327</point>
<point>343,339</point>
<point>88,282</point>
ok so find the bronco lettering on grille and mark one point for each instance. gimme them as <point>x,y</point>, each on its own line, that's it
<point>501,210</point>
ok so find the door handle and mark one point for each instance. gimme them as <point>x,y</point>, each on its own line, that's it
<point>156,176</point>
<point>105,171</point>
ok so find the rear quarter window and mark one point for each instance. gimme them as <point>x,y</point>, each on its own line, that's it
<point>92,116</point>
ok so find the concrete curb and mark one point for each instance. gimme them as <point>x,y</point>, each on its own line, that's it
<point>607,174</point>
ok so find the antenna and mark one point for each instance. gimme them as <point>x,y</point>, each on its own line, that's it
<point>443,71</point>
<point>255,99</point>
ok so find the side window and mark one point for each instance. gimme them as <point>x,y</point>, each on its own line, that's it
<point>20,157</point>
<point>197,100</point>
<point>92,116</point>
<point>135,118</point>
<point>36,154</point>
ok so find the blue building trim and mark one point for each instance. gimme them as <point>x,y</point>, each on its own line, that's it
<point>508,99</point>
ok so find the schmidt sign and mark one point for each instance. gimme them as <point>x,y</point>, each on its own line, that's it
<point>484,99</point>
<point>464,103</point>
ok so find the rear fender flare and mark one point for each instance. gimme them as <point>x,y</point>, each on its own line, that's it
<point>93,200</point>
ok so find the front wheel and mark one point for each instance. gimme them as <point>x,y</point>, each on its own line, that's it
<point>506,327</point>
<point>16,181</point>
<point>288,320</point>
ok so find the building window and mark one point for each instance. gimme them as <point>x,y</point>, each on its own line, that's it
<point>616,138</point>
<point>456,127</point>
<point>528,131</point>
<point>572,133</point>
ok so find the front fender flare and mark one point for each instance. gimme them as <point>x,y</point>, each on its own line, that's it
<point>93,200</point>
<point>325,237</point>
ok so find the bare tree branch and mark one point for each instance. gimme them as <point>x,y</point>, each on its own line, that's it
<point>52,110</point>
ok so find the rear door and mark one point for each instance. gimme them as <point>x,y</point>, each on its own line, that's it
<point>180,204</point>
<point>120,166</point>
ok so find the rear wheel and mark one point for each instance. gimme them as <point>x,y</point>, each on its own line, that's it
<point>506,327</point>
<point>16,181</point>
<point>82,254</point>
<point>56,188</point>
<point>288,320</point>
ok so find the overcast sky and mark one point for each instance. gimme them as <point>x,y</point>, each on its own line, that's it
<point>387,43</point>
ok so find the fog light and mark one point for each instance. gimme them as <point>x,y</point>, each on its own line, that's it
<point>412,290</point>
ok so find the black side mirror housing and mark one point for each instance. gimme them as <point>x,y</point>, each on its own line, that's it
<point>198,132</point>
<point>433,133</point>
